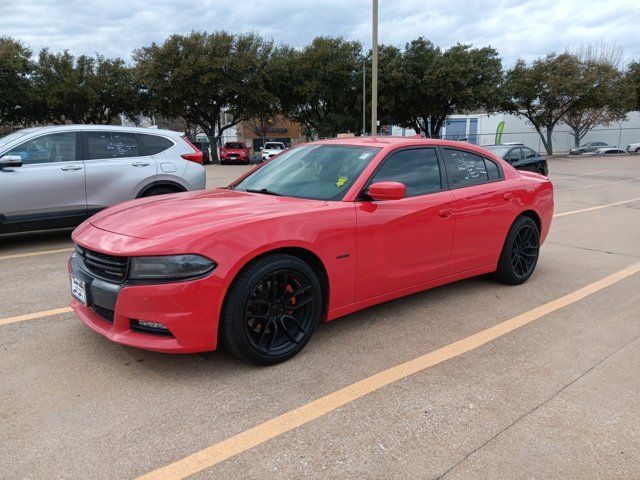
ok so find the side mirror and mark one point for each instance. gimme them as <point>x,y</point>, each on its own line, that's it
<point>386,190</point>
<point>10,161</point>
<point>259,148</point>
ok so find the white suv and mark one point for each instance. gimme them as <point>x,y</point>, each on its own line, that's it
<point>272,148</point>
<point>54,177</point>
<point>633,147</point>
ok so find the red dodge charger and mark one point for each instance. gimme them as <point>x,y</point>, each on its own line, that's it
<point>323,230</point>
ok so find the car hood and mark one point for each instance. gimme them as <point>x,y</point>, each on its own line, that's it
<point>192,213</point>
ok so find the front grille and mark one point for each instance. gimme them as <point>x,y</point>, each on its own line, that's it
<point>105,313</point>
<point>108,267</point>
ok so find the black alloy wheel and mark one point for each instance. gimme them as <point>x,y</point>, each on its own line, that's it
<point>520,252</point>
<point>271,310</point>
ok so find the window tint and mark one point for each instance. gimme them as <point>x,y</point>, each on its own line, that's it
<point>234,145</point>
<point>493,171</point>
<point>528,153</point>
<point>57,147</point>
<point>416,168</point>
<point>111,145</point>
<point>464,168</point>
<point>514,155</point>
<point>154,144</point>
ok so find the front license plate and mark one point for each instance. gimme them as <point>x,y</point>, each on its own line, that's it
<point>79,290</point>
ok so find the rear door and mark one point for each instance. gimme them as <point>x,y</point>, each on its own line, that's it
<point>49,185</point>
<point>406,242</point>
<point>116,168</point>
<point>484,209</point>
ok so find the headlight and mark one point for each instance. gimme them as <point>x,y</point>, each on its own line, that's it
<point>171,267</point>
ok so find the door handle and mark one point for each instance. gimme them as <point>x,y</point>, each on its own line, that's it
<point>508,196</point>
<point>140,164</point>
<point>445,212</point>
<point>71,168</point>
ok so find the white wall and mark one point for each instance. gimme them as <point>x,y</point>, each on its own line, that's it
<point>517,129</point>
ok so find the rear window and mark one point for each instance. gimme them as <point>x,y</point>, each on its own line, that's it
<point>154,144</point>
<point>101,145</point>
<point>234,146</point>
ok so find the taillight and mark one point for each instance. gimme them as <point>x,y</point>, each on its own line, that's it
<point>192,157</point>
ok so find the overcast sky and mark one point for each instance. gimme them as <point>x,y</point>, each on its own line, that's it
<point>524,29</point>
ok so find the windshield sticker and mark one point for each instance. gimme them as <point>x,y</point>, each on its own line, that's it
<point>341,181</point>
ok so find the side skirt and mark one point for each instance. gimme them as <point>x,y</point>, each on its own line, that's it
<point>354,307</point>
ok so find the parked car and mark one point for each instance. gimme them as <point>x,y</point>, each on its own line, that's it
<point>324,229</point>
<point>589,147</point>
<point>610,151</point>
<point>236,152</point>
<point>520,157</point>
<point>272,148</point>
<point>53,177</point>
<point>633,147</point>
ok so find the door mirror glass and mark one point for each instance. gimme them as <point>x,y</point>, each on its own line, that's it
<point>386,190</point>
<point>11,161</point>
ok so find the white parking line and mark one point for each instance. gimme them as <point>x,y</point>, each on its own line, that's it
<point>598,184</point>
<point>598,207</point>
<point>33,254</point>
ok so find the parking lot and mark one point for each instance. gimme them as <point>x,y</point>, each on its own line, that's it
<point>471,380</point>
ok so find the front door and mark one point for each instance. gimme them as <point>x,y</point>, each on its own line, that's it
<point>49,187</point>
<point>402,243</point>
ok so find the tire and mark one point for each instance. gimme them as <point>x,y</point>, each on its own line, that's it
<point>520,252</point>
<point>638,150</point>
<point>271,310</point>
<point>152,192</point>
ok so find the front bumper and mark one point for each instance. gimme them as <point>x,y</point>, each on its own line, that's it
<point>187,309</point>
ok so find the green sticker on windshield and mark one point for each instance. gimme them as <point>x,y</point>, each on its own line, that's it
<point>341,181</point>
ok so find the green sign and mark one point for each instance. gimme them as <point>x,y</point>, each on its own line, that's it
<point>499,131</point>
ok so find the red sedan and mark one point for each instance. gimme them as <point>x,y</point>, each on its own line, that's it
<point>323,230</point>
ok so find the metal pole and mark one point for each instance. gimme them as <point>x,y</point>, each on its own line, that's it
<point>364,96</point>
<point>374,72</point>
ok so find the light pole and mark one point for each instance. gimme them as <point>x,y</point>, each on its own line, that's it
<point>364,96</point>
<point>374,72</point>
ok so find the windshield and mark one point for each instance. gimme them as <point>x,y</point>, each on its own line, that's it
<point>11,137</point>
<point>274,146</point>
<point>323,172</point>
<point>499,150</point>
<point>234,146</point>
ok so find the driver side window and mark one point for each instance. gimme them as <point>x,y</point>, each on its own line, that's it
<point>416,168</point>
<point>56,147</point>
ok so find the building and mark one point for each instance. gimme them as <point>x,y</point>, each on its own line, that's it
<point>480,129</point>
<point>278,129</point>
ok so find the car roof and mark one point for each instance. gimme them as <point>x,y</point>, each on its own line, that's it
<point>115,128</point>
<point>388,142</point>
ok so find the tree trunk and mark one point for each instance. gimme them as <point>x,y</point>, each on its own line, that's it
<point>576,136</point>
<point>213,146</point>
<point>549,143</point>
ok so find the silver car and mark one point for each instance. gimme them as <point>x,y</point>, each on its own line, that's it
<point>53,177</point>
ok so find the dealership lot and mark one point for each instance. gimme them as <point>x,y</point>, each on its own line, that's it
<point>554,398</point>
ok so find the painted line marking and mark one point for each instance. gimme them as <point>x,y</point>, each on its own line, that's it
<point>315,409</point>
<point>35,315</point>
<point>598,207</point>
<point>598,184</point>
<point>33,254</point>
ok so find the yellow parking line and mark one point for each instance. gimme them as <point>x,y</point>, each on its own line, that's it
<point>598,184</point>
<point>34,316</point>
<point>598,207</point>
<point>263,432</point>
<point>593,173</point>
<point>33,254</point>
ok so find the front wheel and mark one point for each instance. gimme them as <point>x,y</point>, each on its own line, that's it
<point>520,252</point>
<point>271,310</point>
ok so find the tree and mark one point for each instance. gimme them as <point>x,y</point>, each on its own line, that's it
<point>546,91</point>
<point>83,89</point>
<point>212,80</point>
<point>322,85</point>
<point>423,85</point>
<point>633,79</point>
<point>15,69</point>
<point>609,101</point>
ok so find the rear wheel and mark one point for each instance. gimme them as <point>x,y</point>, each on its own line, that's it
<point>152,192</point>
<point>271,310</point>
<point>520,252</point>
